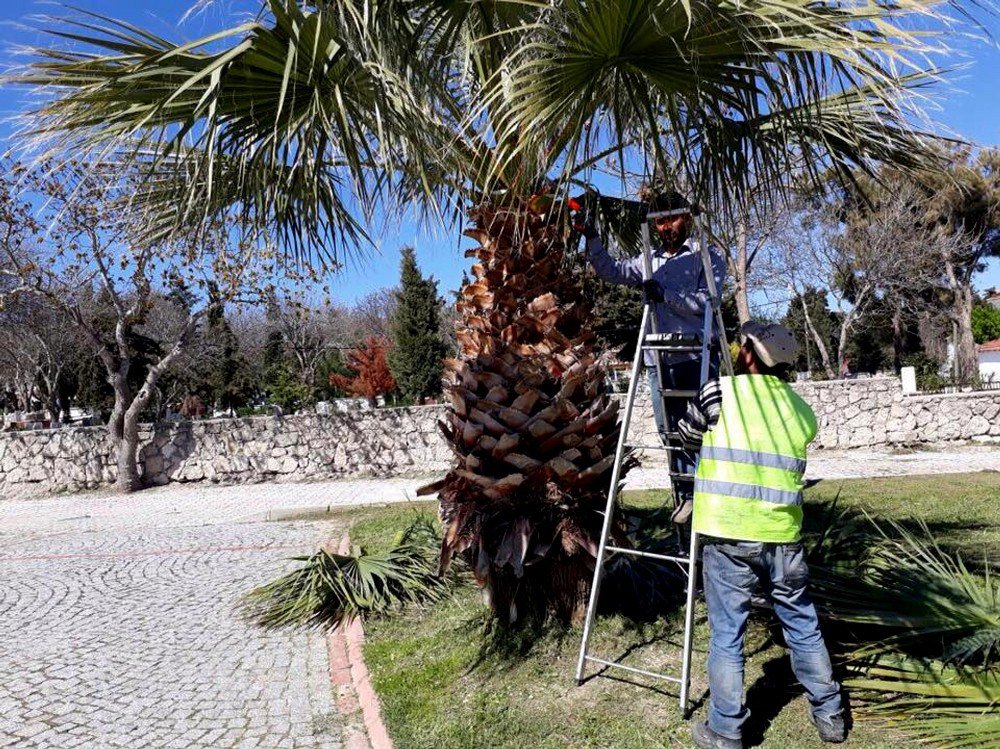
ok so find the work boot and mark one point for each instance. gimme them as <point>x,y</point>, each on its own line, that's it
<point>706,738</point>
<point>682,512</point>
<point>831,729</point>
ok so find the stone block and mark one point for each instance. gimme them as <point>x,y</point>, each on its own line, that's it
<point>977,425</point>
<point>286,439</point>
<point>191,472</point>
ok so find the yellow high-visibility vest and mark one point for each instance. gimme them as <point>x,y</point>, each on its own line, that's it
<point>748,485</point>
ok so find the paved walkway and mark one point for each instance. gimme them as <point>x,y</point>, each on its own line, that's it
<point>123,634</point>
<point>117,619</point>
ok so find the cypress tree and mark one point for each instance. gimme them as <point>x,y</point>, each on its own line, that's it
<point>418,347</point>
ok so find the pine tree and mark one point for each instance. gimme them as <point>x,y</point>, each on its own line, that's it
<point>418,347</point>
<point>229,380</point>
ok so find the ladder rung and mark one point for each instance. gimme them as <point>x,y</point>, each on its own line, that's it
<point>612,664</point>
<point>678,393</point>
<point>653,447</point>
<point>674,349</point>
<point>649,554</point>
<point>685,338</point>
<point>681,475</point>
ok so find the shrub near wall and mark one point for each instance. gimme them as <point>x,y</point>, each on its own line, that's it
<point>400,441</point>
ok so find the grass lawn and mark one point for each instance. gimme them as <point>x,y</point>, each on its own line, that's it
<point>445,684</point>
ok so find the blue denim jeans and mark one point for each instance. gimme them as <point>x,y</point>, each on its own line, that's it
<point>733,570</point>
<point>681,376</point>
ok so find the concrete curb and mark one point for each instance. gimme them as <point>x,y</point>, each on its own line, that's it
<point>352,683</point>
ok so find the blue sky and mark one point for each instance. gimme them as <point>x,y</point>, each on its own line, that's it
<point>969,106</point>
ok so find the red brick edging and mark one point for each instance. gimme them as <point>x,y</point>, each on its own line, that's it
<point>352,684</point>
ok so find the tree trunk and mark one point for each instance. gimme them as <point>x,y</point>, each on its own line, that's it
<point>124,438</point>
<point>966,360</point>
<point>740,273</point>
<point>559,587</point>
<point>817,338</point>
<point>845,336</point>
<point>127,453</point>
<point>532,426</point>
<point>897,337</point>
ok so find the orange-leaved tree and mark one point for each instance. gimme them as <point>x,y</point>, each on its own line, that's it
<point>372,377</point>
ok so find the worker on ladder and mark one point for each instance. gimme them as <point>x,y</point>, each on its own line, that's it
<point>752,431</point>
<point>678,292</point>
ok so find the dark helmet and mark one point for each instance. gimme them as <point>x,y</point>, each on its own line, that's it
<point>671,201</point>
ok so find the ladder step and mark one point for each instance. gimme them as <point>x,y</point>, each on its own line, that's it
<point>649,554</point>
<point>687,339</point>
<point>653,674</point>
<point>678,393</point>
<point>681,475</point>
<point>653,447</point>
<point>674,349</point>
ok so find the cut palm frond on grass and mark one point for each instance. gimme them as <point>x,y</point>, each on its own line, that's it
<point>329,589</point>
<point>950,707</point>
<point>905,583</point>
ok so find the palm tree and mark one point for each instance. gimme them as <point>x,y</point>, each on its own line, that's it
<point>317,115</point>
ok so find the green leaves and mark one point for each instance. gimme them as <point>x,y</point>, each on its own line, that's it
<point>727,94</point>
<point>922,595</point>
<point>932,629</point>
<point>304,124</point>
<point>946,706</point>
<point>274,129</point>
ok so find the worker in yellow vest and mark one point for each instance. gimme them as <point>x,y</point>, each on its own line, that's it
<point>752,431</point>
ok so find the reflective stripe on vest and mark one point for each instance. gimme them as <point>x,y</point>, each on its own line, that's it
<point>748,484</point>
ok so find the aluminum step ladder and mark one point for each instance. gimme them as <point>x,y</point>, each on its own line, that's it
<point>651,339</point>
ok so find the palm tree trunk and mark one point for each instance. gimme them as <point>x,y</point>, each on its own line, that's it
<point>532,426</point>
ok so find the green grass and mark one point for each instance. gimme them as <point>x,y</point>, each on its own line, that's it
<point>445,683</point>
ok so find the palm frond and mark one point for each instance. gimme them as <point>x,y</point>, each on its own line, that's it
<point>314,118</point>
<point>277,123</point>
<point>918,594</point>
<point>951,707</point>
<point>730,95</point>
<point>329,589</point>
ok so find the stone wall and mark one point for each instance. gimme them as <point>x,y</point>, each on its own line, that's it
<point>851,413</point>
<point>862,413</point>
<point>384,442</point>
<point>869,412</point>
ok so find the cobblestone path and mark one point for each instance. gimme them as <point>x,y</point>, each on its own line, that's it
<point>125,635</point>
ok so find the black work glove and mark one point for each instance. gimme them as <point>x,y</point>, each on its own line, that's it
<point>652,291</point>
<point>582,216</point>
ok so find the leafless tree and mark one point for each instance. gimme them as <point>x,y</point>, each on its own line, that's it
<point>372,313</point>
<point>742,232</point>
<point>859,258</point>
<point>310,333</point>
<point>91,241</point>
